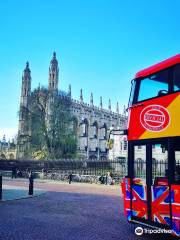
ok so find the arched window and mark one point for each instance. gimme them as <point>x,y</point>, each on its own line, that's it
<point>11,156</point>
<point>105,132</point>
<point>93,157</point>
<point>3,156</point>
<point>85,128</point>
<point>74,125</point>
<point>95,126</point>
<point>125,144</point>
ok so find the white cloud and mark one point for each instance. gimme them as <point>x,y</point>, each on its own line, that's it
<point>9,133</point>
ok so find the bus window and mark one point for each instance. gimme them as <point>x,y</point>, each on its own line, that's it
<point>177,174</point>
<point>140,161</point>
<point>159,164</point>
<point>154,85</point>
<point>177,164</point>
<point>131,98</point>
<point>176,77</point>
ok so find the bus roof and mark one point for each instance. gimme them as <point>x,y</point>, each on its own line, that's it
<point>159,66</point>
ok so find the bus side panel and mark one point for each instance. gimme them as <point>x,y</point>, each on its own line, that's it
<point>160,205</point>
<point>145,123</point>
<point>126,195</point>
<point>175,199</point>
<point>139,199</point>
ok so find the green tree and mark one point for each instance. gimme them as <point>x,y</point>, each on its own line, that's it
<point>53,130</point>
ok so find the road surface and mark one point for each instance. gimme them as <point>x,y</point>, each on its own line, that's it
<point>68,212</point>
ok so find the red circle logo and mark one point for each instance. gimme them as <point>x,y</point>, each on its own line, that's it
<point>154,118</point>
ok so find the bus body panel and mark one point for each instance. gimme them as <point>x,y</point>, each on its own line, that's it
<point>176,208</point>
<point>160,203</point>
<point>155,118</point>
<point>151,192</point>
<point>159,66</point>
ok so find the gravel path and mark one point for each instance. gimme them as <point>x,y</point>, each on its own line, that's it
<point>68,212</point>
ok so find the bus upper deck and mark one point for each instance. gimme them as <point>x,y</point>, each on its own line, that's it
<point>154,102</point>
<point>152,190</point>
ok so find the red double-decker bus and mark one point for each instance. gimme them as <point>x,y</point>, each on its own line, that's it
<point>151,189</point>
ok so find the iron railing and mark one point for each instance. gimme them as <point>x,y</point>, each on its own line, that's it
<point>117,167</point>
<point>84,167</point>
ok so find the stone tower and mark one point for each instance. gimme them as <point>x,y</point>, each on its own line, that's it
<point>24,131</point>
<point>92,123</point>
<point>53,74</point>
<point>25,94</point>
<point>52,88</point>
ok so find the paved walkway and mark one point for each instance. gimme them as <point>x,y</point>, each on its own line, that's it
<point>68,212</point>
<point>11,192</point>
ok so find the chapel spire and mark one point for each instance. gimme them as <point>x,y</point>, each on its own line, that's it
<point>91,100</point>
<point>109,106</point>
<point>101,103</point>
<point>69,91</point>
<point>81,96</point>
<point>117,107</point>
<point>53,74</point>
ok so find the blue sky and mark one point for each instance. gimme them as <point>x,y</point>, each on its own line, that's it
<point>100,45</point>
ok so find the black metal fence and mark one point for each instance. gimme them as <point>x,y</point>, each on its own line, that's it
<point>159,168</point>
<point>82,167</point>
<point>117,167</point>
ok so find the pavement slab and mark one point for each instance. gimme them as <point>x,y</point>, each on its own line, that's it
<point>16,193</point>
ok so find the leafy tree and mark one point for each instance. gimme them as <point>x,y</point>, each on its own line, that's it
<point>53,131</point>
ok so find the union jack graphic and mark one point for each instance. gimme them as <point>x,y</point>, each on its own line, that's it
<point>139,199</point>
<point>160,205</point>
<point>175,195</point>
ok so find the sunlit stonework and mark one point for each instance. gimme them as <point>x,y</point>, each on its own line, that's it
<point>93,122</point>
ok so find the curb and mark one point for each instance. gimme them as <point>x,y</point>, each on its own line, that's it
<point>22,198</point>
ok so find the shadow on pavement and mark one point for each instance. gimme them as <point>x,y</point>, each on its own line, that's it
<point>70,216</point>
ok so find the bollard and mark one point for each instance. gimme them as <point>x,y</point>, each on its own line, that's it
<point>31,184</point>
<point>0,187</point>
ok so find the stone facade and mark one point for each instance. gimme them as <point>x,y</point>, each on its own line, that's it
<point>23,130</point>
<point>93,123</point>
<point>7,149</point>
<point>120,147</point>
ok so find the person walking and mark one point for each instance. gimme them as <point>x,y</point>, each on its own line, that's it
<point>31,182</point>
<point>70,178</point>
<point>14,172</point>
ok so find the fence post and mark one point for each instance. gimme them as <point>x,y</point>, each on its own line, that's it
<point>31,184</point>
<point>0,186</point>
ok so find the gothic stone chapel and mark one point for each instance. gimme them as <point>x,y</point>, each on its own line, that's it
<point>93,123</point>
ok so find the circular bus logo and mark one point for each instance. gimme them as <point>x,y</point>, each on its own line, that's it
<point>154,118</point>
